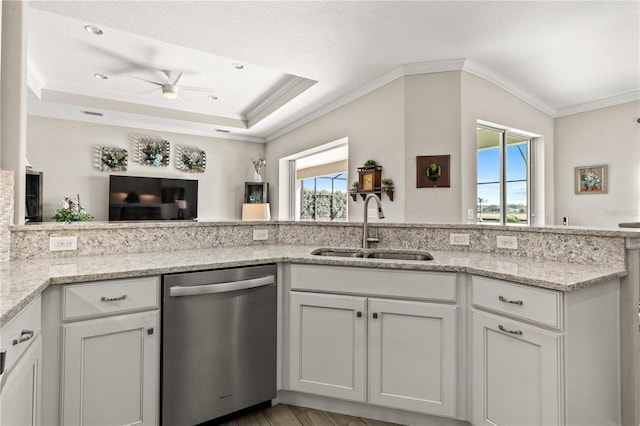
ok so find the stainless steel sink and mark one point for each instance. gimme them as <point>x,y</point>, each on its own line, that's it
<point>374,254</point>
<point>398,255</point>
<point>338,252</point>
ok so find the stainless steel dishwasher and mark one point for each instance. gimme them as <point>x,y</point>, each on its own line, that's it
<point>218,343</point>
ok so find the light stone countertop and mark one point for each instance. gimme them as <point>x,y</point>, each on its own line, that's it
<point>21,281</point>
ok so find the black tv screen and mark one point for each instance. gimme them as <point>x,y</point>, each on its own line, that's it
<point>146,198</point>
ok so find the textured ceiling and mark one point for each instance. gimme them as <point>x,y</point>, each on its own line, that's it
<point>302,57</point>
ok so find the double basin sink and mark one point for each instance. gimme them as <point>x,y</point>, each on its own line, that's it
<point>373,254</point>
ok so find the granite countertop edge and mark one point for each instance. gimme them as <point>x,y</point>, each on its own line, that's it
<point>21,281</point>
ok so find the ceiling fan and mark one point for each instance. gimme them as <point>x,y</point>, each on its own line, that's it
<point>170,88</point>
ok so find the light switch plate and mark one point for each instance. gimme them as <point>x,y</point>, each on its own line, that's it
<point>507,242</point>
<point>63,243</point>
<point>459,239</point>
<point>260,234</point>
<point>471,214</point>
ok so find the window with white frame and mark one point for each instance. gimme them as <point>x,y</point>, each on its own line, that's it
<point>504,176</point>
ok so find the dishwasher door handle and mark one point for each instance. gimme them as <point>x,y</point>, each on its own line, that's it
<point>196,290</point>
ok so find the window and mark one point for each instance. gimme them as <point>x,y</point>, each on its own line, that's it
<point>318,179</point>
<point>324,198</point>
<point>504,176</point>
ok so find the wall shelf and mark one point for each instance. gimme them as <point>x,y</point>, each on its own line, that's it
<point>378,191</point>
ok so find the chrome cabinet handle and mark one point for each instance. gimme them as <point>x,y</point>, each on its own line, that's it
<point>3,356</point>
<point>513,302</point>
<point>517,332</point>
<point>24,336</point>
<point>113,299</point>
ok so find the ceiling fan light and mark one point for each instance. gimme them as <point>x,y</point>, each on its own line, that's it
<point>169,91</point>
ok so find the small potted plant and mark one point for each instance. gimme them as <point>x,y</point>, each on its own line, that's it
<point>370,163</point>
<point>72,211</point>
<point>387,183</point>
<point>354,186</point>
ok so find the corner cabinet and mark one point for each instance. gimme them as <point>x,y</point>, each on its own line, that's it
<point>392,353</point>
<point>110,352</point>
<point>21,368</point>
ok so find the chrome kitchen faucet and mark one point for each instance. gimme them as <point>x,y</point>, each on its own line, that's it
<point>365,231</point>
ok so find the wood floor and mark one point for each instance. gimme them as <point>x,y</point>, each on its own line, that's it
<point>290,415</point>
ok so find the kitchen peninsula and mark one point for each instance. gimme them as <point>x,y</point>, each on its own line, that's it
<point>561,265</point>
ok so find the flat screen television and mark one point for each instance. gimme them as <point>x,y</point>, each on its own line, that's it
<point>145,198</point>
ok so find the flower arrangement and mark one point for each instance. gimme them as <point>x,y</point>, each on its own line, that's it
<point>192,159</point>
<point>72,211</point>
<point>258,164</point>
<point>153,151</point>
<point>114,159</point>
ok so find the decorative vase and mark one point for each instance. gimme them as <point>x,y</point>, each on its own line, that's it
<point>257,177</point>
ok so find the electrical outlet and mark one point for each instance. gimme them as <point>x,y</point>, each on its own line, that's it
<point>507,242</point>
<point>260,234</point>
<point>459,239</point>
<point>63,243</point>
<point>471,214</point>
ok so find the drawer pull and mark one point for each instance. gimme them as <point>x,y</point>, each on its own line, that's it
<point>517,332</point>
<point>359,314</point>
<point>24,336</point>
<point>375,315</point>
<point>113,299</point>
<point>3,357</point>
<point>513,302</point>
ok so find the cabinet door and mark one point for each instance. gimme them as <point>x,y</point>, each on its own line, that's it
<point>328,345</point>
<point>110,371</point>
<point>20,397</point>
<point>516,371</point>
<point>412,356</point>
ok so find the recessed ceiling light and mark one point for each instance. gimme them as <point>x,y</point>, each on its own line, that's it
<point>93,29</point>
<point>237,65</point>
<point>212,97</point>
<point>101,76</point>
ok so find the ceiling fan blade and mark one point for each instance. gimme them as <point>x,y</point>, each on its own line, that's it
<point>197,89</point>
<point>177,78</point>
<point>145,80</point>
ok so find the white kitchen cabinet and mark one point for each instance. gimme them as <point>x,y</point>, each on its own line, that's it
<point>516,373</point>
<point>328,345</point>
<point>21,392</point>
<point>412,356</point>
<point>111,370</point>
<point>102,341</point>
<point>392,353</point>
<point>543,357</point>
<point>20,376</point>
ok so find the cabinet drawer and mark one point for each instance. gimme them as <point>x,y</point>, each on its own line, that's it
<point>109,297</point>
<point>427,285</point>
<point>20,332</point>
<point>519,301</point>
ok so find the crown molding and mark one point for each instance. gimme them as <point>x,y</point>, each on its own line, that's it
<point>458,64</point>
<point>602,103</point>
<point>137,121</point>
<point>283,88</point>
<point>499,80</point>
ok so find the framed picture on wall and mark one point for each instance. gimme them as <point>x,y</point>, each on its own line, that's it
<point>591,179</point>
<point>432,171</point>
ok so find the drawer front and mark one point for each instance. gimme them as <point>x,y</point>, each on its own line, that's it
<point>426,285</point>
<point>20,332</point>
<point>110,297</point>
<point>533,304</point>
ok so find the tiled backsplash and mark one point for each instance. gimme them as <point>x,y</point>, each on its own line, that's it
<point>6,211</point>
<point>557,244</point>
